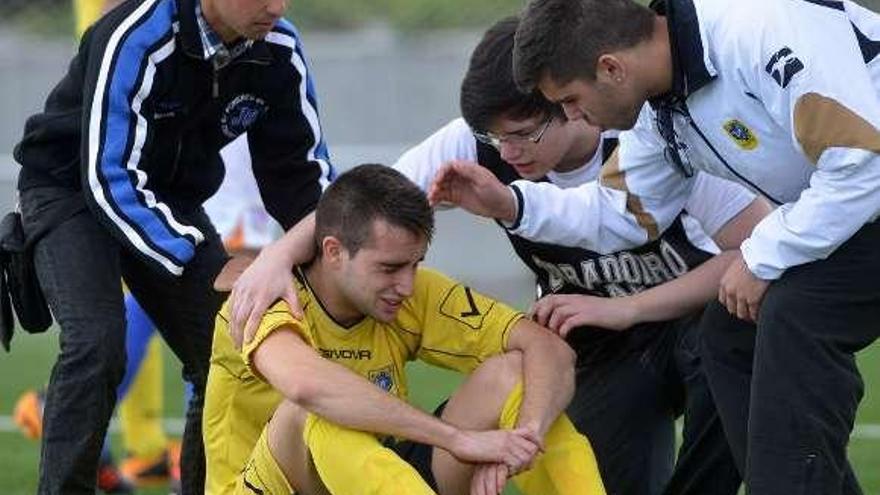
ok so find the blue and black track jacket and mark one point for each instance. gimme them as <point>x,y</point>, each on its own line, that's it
<point>138,121</point>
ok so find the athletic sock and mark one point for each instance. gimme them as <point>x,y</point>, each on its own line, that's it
<point>566,467</point>
<point>355,462</point>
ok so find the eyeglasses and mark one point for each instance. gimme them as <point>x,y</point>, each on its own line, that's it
<point>676,150</point>
<point>517,138</point>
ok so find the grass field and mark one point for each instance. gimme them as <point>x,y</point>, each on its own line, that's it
<point>30,363</point>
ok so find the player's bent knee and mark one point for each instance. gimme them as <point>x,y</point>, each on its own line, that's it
<point>263,472</point>
<point>499,373</point>
<point>285,450</point>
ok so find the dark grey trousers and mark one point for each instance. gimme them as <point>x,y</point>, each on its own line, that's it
<point>80,268</point>
<point>626,402</point>
<point>788,389</point>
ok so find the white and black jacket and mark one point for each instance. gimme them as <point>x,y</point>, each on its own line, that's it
<point>759,97</point>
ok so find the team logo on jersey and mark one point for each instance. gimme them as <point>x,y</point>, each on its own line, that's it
<point>241,113</point>
<point>741,134</point>
<point>783,65</point>
<point>464,305</point>
<point>383,378</point>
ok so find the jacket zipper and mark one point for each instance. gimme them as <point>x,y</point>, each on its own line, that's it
<point>176,164</point>
<point>215,88</point>
<point>690,120</point>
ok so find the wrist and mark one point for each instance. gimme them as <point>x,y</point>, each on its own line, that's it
<point>451,441</point>
<point>536,426</point>
<point>513,207</point>
<point>633,306</point>
<point>282,251</point>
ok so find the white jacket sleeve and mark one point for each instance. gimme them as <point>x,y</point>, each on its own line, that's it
<point>715,201</point>
<point>637,197</point>
<point>819,90</point>
<point>454,141</point>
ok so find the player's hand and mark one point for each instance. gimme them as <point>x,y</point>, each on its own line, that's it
<point>474,188</point>
<point>514,448</point>
<point>741,291</point>
<point>265,281</point>
<point>489,479</point>
<point>563,312</point>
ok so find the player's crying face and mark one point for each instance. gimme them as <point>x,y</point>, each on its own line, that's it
<point>381,275</point>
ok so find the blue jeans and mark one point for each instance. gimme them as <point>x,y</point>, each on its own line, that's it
<point>79,266</point>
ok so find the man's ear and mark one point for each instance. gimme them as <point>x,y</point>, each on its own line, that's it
<point>231,271</point>
<point>610,69</point>
<point>332,249</point>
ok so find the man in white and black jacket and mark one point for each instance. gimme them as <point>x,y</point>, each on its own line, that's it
<point>742,90</point>
<point>114,173</point>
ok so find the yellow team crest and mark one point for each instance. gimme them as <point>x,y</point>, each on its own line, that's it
<point>741,134</point>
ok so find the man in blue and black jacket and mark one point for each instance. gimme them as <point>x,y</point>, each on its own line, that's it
<point>114,173</point>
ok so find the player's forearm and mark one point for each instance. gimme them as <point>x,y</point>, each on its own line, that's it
<point>682,295</point>
<point>297,246</point>
<point>349,400</point>
<point>548,376</point>
<point>334,392</point>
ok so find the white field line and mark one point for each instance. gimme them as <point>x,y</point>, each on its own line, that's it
<point>174,426</point>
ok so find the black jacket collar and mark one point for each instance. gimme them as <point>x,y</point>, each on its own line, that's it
<point>191,42</point>
<point>689,69</point>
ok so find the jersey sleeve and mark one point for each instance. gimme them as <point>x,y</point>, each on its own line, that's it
<point>818,89</point>
<point>454,141</point>
<point>276,317</point>
<point>461,328</point>
<point>637,197</point>
<point>715,201</point>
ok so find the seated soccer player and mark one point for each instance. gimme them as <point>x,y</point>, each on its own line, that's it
<point>318,405</point>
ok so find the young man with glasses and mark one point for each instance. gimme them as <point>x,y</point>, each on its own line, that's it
<point>639,373</point>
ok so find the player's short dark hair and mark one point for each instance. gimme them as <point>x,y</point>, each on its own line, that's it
<point>563,39</point>
<point>367,193</point>
<point>488,90</point>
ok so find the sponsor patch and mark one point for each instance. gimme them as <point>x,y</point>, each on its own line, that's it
<point>783,65</point>
<point>241,113</point>
<point>741,134</point>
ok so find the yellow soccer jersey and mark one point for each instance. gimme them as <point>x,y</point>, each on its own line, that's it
<point>444,323</point>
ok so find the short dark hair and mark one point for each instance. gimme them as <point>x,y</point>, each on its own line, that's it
<point>488,90</point>
<point>367,193</point>
<point>563,39</point>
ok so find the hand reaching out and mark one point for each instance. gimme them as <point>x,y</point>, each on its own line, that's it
<point>563,312</point>
<point>474,188</point>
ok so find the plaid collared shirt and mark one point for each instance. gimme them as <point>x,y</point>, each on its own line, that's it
<point>213,47</point>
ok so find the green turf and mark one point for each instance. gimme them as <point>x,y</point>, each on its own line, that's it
<point>30,364</point>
